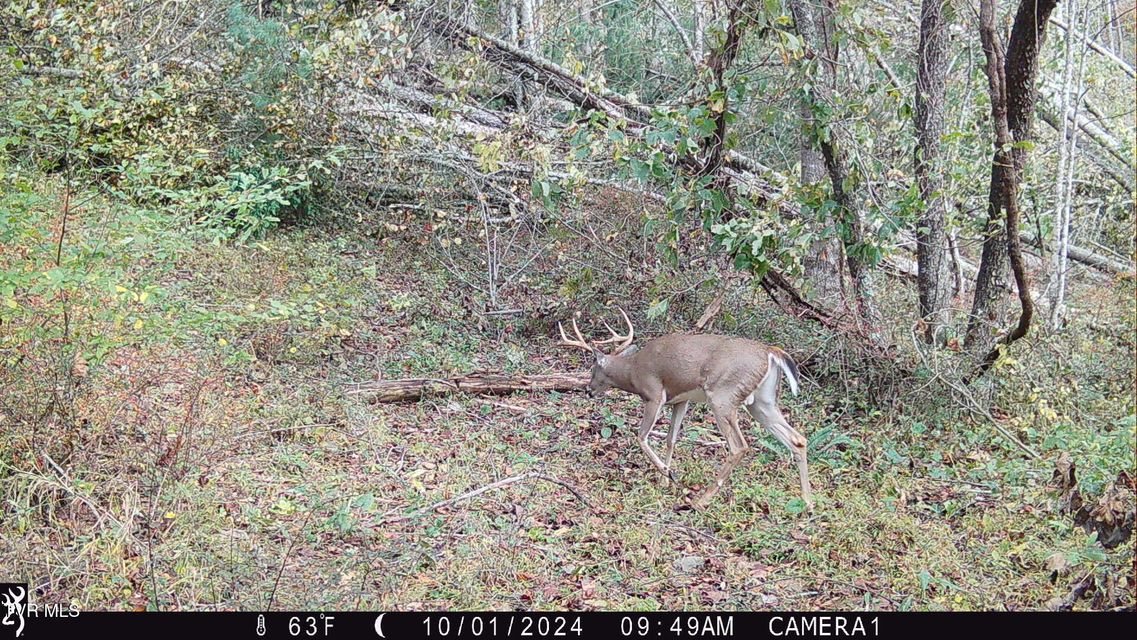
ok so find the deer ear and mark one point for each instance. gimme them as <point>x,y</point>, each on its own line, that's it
<point>601,359</point>
<point>630,350</point>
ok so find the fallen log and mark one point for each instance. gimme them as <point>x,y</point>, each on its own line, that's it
<point>1106,53</point>
<point>1105,151</point>
<point>414,389</point>
<point>1104,263</point>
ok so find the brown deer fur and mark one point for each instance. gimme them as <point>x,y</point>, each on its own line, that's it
<point>723,371</point>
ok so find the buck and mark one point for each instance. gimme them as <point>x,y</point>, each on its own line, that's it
<point>675,370</point>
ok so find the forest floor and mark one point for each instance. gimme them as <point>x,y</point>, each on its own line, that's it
<point>218,452</point>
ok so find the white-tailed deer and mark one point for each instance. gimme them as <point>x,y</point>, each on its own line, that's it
<point>723,371</point>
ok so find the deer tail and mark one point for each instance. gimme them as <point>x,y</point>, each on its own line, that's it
<point>787,365</point>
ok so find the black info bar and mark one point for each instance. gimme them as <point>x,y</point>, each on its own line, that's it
<point>69,622</point>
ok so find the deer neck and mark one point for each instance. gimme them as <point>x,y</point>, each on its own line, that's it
<point>622,372</point>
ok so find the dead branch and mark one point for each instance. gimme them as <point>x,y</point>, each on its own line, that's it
<point>710,312</point>
<point>414,389</point>
<point>504,482</point>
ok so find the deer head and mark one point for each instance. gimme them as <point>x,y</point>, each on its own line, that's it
<point>602,379</point>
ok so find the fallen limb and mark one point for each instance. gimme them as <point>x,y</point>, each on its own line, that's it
<point>1106,151</point>
<point>1105,263</point>
<point>1106,53</point>
<point>52,72</point>
<point>413,389</point>
<point>711,311</point>
<point>504,482</point>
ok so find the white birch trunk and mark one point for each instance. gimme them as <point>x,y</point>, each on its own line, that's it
<point>1071,94</point>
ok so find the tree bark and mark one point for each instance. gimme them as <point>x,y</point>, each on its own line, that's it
<point>1013,81</point>
<point>814,23</point>
<point>720,62</point>
<point>1010,80</point>
<point>698,37</point>
<point>934,282</point>
<point>822,265</point>
<point>414,389</point>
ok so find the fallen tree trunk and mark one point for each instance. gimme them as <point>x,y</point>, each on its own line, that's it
<point>1090,258</point>
<point>1107,152</point>
<point>585,94</point>
<point>1106,53</point>
<point>576,88</point>
<point>414,389</point>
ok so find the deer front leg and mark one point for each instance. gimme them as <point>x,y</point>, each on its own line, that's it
<point>651,414</point>
<point>727,420</point>
<point>678,412</point>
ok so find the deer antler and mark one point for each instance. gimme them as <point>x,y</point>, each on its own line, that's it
<point>579,343</point>
<point>624,340</point>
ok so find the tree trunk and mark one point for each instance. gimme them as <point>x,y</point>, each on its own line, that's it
<point>589,16</point>
<point>1010,80</point>
<point>528,42</point>
<point>822,265</point>
<point>699,37</point>
<point>1071,91</point>
<point>527,15</point>
<point>815,22</point>
<point>720,62</point>
<point>1016,77</point>
<point>512,17</point>
<point>934,281</point>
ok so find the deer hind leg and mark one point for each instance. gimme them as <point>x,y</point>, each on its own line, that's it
<point>678,412</point>
<point>651,414</point>
<point>726,417</point>
<point>767,413</point>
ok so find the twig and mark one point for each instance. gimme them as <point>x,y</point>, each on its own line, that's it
<point>504,482</point>
<point>851,585</point>
<point>971,404</point>
<point>511,407</point>
<point>284,560</point>
<point>978,485</point>
<point>711,311</point>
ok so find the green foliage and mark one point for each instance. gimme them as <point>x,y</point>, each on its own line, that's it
<point>269,66</point>
<point>248,203</point>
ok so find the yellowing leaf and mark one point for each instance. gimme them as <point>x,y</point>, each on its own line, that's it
<point>222,341</point>
<point>137,324</point>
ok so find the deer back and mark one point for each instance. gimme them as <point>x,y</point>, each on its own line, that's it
<point>686,363</point>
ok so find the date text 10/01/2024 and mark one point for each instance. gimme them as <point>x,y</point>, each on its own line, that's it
<point>690,626</point>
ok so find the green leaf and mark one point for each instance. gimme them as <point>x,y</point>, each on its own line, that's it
<point>796,506</point>
<point>658,308</point>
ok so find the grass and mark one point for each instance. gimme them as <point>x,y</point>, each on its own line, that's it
<point>216,457</point>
